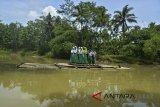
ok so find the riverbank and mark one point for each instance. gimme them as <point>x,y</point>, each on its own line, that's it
<point>33,57</point>
<point>127,59</point>
<point>11,59</point>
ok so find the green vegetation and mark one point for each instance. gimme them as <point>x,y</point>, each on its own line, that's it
<point>84,24</point>
<point>19,57</point>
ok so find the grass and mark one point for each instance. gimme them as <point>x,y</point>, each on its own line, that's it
<point>127,59</point>
<point>20,57</point>
<point>119,59</point>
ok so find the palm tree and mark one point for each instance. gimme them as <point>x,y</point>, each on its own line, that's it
<point>121,18</point>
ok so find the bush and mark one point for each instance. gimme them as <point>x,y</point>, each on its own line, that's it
<point>152,48</point>
<point>61,50</point>
<point>23,53</point>
<point>62,44</point>
<point>119,58</point>
<point>43,48</point>
<point>49,55</point>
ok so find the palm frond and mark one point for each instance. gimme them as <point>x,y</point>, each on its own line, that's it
<point>118,12</point>
<point>125,8</point>
<point>130,15</point>
<point>125,11</point>
<point>133,17</point>
<point>129,9</point>
<point>132,20</point>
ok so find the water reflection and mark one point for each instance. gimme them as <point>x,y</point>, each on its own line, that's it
<point>74,89</point>
<point>137,104</point>
<point>14,96</point>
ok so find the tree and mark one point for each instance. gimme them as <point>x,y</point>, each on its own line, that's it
<point>83,14</point>
<point>12,36</point>
<point>122,17</point>
<point>63,42</point>
<point>101,23</point>
<point>65,39</point>
<point>30,36</point>
<point>3,29</point>
<point>47,34</point>
<point>66,9</point>
<point>152,48</point>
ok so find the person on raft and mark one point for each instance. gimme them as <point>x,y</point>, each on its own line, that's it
<point>72,54</point>
<point>85,55</point>
<point>74,57</point>
<point>80,55</point>
<point>92,57</point>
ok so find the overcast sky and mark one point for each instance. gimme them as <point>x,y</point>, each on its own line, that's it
<point>23,10</point>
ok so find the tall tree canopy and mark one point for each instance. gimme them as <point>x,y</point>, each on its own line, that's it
<point>122,17</point>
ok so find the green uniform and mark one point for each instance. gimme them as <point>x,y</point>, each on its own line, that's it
<point>76,58</point>
<point>90,57</point>
<point>93,57</point>
<point>85,55</point>
<point>75,55</point>
<point>72,56</point>
<point>81,56</point>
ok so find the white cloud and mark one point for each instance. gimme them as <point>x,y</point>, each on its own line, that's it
<point>33,15</point>
<point>50,9</point>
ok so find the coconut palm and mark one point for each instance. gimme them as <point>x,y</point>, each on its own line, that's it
<point>121,18</point>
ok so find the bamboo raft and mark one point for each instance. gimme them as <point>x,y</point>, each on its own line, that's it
<point>66,65</point>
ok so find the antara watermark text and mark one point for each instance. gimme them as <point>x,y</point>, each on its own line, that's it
<point>119,96</point>
<point>112,96</point>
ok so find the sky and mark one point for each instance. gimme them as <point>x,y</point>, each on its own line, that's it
<point>24,10</point>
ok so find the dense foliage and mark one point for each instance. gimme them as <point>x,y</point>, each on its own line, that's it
<point>84,24</point>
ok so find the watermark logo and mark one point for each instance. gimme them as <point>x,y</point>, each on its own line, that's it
<point>110,97</point>
<point>97,96</point>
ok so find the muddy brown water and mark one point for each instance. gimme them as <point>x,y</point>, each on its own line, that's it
<point>75,87</point>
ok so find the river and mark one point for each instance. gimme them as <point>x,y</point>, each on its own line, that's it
<point>76,87</point>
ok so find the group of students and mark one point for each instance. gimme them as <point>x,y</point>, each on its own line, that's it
<point>80,55</point>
